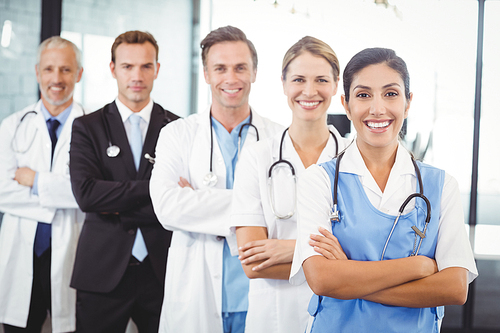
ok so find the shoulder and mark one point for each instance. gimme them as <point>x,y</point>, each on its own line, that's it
<point>182,128</point>
<point>93,117</point>
<point>264,124</point>
<point>169,116</point>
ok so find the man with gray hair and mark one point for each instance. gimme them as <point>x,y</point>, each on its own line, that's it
<point>41,221</point>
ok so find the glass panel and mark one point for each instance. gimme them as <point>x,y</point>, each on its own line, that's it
<point>487,300</point>
<point>489,158</point>
<point>94,26</point>
<point>487,232</point>
<point>19,39</point>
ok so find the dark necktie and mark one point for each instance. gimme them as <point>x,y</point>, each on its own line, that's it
<point>44,230</point>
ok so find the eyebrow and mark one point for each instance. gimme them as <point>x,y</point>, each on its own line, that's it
<point>369,88</point>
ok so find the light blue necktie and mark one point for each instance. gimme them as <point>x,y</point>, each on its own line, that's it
<point>139,250</point>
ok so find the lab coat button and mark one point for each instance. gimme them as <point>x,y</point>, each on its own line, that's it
<point>221,161</point>
<point>131,232</point>
<point>219,238</point>
<point>217,276</point>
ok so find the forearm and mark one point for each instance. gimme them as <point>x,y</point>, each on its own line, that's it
<point>278,271</point>
<point>350,279</point>
<point>262,257</point>
<point>447,287</point>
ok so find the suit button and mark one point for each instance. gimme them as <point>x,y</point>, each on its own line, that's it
<point>131,232</point>
<point>219,238</point>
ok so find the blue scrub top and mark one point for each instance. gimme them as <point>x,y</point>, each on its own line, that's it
<point>363,231</point>
<point>235,282</point>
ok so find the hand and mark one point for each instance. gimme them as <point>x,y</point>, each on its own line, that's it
<point>328,245</point>
<point>25,176</point>
<point>272,251</point>
<point>184,183</point>
<point>428,265</point>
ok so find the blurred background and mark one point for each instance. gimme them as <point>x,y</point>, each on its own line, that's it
<point>451,47</point>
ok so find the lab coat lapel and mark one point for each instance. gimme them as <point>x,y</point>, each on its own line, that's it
<point>65,135</point>
<point>46,143</point>
<point>201,148</point>
<point>119,138</point>
<point>155,125</point>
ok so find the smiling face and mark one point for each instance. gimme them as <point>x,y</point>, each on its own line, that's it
<point>230,73</point>
<point>377,106</point>
<point>309,87</point>
<point>57,73</point>
<point>135,69</point>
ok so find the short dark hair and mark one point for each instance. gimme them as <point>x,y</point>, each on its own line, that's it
<point>226,34</point>
<point>314,46</point>
<point>134,37</point>
<point>373,56</point>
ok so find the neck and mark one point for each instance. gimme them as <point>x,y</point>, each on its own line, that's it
<point>379,161</point>
<point>309,133</point>
<point>135,106</point>
<point>56,110</point>
<point>309,139</point>
<point>230,117</point>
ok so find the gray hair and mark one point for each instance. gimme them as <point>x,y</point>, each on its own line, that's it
<point>60,43</point>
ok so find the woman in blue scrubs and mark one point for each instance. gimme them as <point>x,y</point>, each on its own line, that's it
<point>373,274</point>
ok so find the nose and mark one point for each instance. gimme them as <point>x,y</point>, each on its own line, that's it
<point>377,106</point>
<point>309,89</point>
<point>136,74</point>
<point>231,76</point>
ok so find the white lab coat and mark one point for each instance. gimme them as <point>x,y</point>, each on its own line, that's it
<point>193,284</point>
<point>274,305</point>
<point>54,204</point>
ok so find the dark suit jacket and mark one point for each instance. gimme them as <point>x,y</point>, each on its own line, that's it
<point>115,198</point>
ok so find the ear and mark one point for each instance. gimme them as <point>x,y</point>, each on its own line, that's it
<point>254,76</point>
<point>336,87</point>
<point>37,74</point>
<point>80,73</point>
<point>408,102</point>
<point>112,68</point>
<point>205,74</point>
<point>283,82</point>
<point>157,69</point>
<point>345,104</point>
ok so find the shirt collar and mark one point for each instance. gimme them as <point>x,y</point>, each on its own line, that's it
<point>61,117</point>
<point>352,162</point>
<point>125,112</point>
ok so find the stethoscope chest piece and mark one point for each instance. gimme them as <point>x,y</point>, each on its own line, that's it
<point>210,180</point>
<point>113,151</point>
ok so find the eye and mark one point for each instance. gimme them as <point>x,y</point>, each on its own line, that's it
<point>362,95</point>
<point>298,80</point>
<point>127,66</point>
<point>392,94</point>
<point>322,80</point>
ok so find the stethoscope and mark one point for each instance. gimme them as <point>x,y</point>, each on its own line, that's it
<point>270,185</point>
<point>113,150</point>
<point>14,138</point>
<point>16,148</point>
<point>335,214</point>
<point>210,180</point>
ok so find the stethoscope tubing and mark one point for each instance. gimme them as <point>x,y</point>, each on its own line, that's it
<point>335,214</point>
<point>294,177</point>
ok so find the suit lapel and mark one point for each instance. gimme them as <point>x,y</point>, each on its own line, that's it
<point>119,138</point>
<point>155,125</point>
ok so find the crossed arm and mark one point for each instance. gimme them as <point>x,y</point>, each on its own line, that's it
<point>410,282</point>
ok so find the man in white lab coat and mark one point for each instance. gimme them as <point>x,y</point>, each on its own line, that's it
<point>41,221</point>
<point>205,287</point>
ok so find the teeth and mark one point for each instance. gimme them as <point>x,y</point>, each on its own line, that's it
<point>378,125</point>
<point>231,91</point>
<point>308,104</point>
<point>56,88</point>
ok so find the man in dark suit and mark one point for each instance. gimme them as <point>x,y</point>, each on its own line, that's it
<point>120,263</point>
